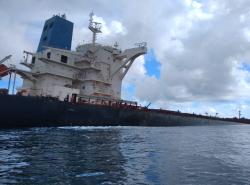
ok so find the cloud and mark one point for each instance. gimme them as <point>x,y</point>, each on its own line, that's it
<point>198,54</point>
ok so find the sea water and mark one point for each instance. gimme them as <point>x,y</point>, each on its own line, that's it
<point>199,155</point>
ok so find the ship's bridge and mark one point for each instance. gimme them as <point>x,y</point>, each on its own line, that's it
<point>92,70</point>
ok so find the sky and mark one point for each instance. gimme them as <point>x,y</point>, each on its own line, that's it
<point>198,56</point>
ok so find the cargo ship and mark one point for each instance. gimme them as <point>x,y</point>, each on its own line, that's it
<point>63,87</point>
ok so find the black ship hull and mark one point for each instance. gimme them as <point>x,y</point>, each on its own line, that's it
<point>20,111</point>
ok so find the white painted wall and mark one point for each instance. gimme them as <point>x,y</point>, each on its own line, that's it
<point>54,77</point>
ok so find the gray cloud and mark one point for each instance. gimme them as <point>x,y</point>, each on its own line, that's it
<point>203,69</point>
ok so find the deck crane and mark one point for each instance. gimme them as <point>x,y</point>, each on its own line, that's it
<point>5,58</point>
<point>4,70</point>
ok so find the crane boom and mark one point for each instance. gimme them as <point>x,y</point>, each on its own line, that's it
<point>5,58</point>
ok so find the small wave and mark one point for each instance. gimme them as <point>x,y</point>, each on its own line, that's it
<point>8,136</point>
<point>11,167</point>
<point>90,127</point>
<point>90,174</point>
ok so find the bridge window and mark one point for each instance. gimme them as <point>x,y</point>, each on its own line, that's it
<point>33,60</point>
<point>48,55</point>
<point>64,59</point>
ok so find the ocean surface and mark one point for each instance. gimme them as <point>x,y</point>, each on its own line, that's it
<point>197,155</point>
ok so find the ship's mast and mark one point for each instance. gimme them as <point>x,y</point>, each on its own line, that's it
<point>95,27</point>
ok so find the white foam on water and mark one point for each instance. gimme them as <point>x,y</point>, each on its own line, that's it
<point>91,127</point>
<point>90,174</point>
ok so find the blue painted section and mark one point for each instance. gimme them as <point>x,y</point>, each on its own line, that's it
<point>152,65</point>
<point>57,33</point>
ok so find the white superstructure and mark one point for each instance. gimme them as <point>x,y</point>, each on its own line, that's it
<point>91,70</point>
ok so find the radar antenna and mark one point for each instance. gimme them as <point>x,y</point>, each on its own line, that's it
<point>116,45</point>
<point>95,27</point>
